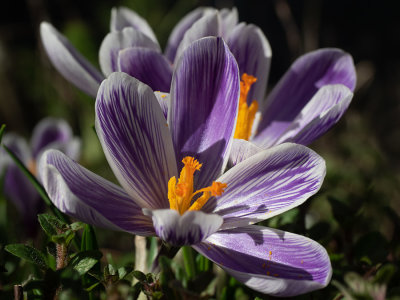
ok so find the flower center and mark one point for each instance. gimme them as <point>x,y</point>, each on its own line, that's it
<point>181,195</point>
<point>246,113</point>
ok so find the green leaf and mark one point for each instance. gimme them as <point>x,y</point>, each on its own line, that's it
<point>157,295</point>
<point>149,278</point>
<point>372,245</point>
<point>385,273</point>
<point>124,271</point>
<point>63,238</point>
<point>136,289</point>
<point>92,287</point>
<point>77,226</point>
<point>2,129</point>
<point>89,240</point>
<point>28,253</point>
<point>83,261</point>
<point>51,225</point>
<point>139,275</point>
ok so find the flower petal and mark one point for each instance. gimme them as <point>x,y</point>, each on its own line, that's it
<point>180,29</point>
<point>68,61</point>
<point>204,102</point>
<point>253,54</point>
<point>86,196</point>
<point>267,184</point>
<point>135,138</point>
<point>241,150</point>
<point>122,17</point>
<point>147,65</point>
<point>18,146</point>
<point>164,100</point>
<point>16,184</point>
<point>270,261</point>
<point>190,228</point>
<point>322,112</point>
<point>207,25</point>
<point>50,130</point>
<point>229,19</point>
<point>118,40</point>
<point>297,87</point>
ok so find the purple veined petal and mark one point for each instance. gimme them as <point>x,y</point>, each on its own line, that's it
<point>208,25</point>
<point>20,190</point>
<point>180,29</point>
<point>322,112</point>
<point>118,40</point>
<point>147,65</point>
<point>122,17</point>
<point>189,229</point>
<point>48,131</point>
<point>135,139</point>
<point>229,19</point>
<point>17,186</point>
<point>297,87</point>
<point>269,260</point>
<point>253,54</point>
<point>241,150</point>
<point>268,184</point>
<point>18,146</point>
<point>164,100</point>
<point>90,198</point>
<point>68,61</point>
<point>72,149</point>
<point>204,103</point>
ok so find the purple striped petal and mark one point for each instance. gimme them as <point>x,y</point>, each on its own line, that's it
<point>86,196</point>
<point>267,184</point>
<point>147,65</point>
<point>270,261</point>
<point>297,87</point>
<point>18,146</point>
<point>21,192</point>
<point>68,61</point>
<point>190,228</point>
<point>253,54</point>
<point>17,187</point>
<point>135,138</point>
<point>241,150</point>
<point>229,19</point>
<point>207,25</point>
<point>164,100</point>
<point>180,29</point>
<point>122,17</point>
<point>204,102</point>
<point>119,40</point>
<point>48,131</point>
<point>319,115</point>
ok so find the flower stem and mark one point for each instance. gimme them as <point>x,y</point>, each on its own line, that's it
<point>188,260</point>
<point>165,250</point>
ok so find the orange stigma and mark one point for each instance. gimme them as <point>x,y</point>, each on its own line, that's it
<point>180,195</point>
<point>246,114</point>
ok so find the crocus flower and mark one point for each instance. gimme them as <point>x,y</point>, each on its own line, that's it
<point>131,47</point>
<point>309,99</point>
<point>48,133</point>
<point>173,180</point>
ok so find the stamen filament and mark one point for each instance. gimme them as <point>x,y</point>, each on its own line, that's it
<point>246,114</point>
<point>181,195</point>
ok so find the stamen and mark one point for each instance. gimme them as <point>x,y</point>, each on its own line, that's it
<point>180,195</point>
<point>32,167</point>
<point>246,114</point>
